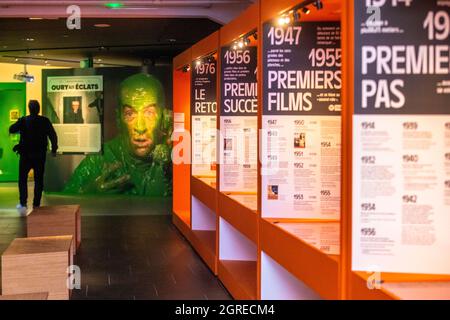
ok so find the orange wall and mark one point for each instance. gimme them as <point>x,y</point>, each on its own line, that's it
<point>182,172</point>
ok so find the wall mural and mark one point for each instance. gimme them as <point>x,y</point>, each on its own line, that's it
<point>136,159</point>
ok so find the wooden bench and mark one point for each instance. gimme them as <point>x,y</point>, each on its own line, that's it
<point>56,221</point>
<point>38,264</point>
<point>26,296</point>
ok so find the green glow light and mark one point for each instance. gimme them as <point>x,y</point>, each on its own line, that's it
<point>114,5</point>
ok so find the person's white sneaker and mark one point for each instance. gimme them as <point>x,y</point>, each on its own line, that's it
<point>22,210</point>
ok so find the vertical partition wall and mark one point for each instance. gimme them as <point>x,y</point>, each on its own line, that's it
<point>238,224</point>
<point>204,144</point>
<point>328,177</point>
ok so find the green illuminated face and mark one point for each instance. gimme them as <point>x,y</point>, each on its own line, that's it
<point>142,101</point>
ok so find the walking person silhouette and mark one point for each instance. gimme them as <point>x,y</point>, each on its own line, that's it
<point>34,130</point>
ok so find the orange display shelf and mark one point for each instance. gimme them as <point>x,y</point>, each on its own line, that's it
<point>239,277</point>
<point>424,290</point>
<point>392,286</point>
<point>239,210</point>
<point>182,225</point>
<point>316,268</point>
<point>205,191</point>
<point>204,242</point>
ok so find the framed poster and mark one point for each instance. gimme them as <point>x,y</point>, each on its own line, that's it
<point>76,107</point>
<point>301,123</point>
<point>401,137</point>
<point>238,120</point>
<point>204,117</point>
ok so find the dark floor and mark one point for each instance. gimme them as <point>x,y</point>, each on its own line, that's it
<point>131,257</point>
<point>92,204</point>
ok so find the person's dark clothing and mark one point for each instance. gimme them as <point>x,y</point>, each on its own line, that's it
<point>34,134</point>
<point>72,117</point>
<point>25,165</point>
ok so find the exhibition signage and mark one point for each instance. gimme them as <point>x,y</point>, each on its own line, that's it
<point>204,119</point>
<point>401,137</point>
<point>301,136</point>
<point>75,105</point>
<point>238,120</point>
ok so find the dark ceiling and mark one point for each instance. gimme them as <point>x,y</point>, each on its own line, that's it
<point>125,42</point>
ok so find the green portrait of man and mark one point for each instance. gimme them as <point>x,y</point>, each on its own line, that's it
<point>138,160</point>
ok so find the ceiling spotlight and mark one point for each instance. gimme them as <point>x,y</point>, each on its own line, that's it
<point>29,39</point>
<point>241,44</point>
<point>210,59</point>
<point>102,25</point>
<point>186,68</point>
<point>198,62</point>
<point>16,59</point>
<point>318,4</point>
<point>235,46</point>
<point>306,10</point>
<point>46,61</point>
<point>284,20</point>
<point>246,41</point>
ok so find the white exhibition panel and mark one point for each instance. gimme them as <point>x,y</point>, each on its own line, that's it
<point>324,236</point>
<point>238,156</point>
<point>303,178</point>
<point>202,217</point>
<point>233,245</point>
<point>279,284</point>
<point>401,208</point>
<point>203,145</point>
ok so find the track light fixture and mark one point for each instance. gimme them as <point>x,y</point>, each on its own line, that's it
<point>296,12</point>
<point>186,68</point>
<point>245,41</point>
<point>296,16</point>
<point>318,4</point>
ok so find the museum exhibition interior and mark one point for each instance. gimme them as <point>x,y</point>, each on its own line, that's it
<point>225,150</point>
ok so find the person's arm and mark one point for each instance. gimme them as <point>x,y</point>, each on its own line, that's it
<point>51,133</point>
<point>16,127</point>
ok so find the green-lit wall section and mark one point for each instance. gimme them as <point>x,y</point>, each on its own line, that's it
<point>12,106</point>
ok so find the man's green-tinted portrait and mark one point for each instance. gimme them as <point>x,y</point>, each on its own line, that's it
<point>137,161</point>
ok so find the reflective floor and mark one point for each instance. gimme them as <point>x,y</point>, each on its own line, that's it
<point>125,254</point>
